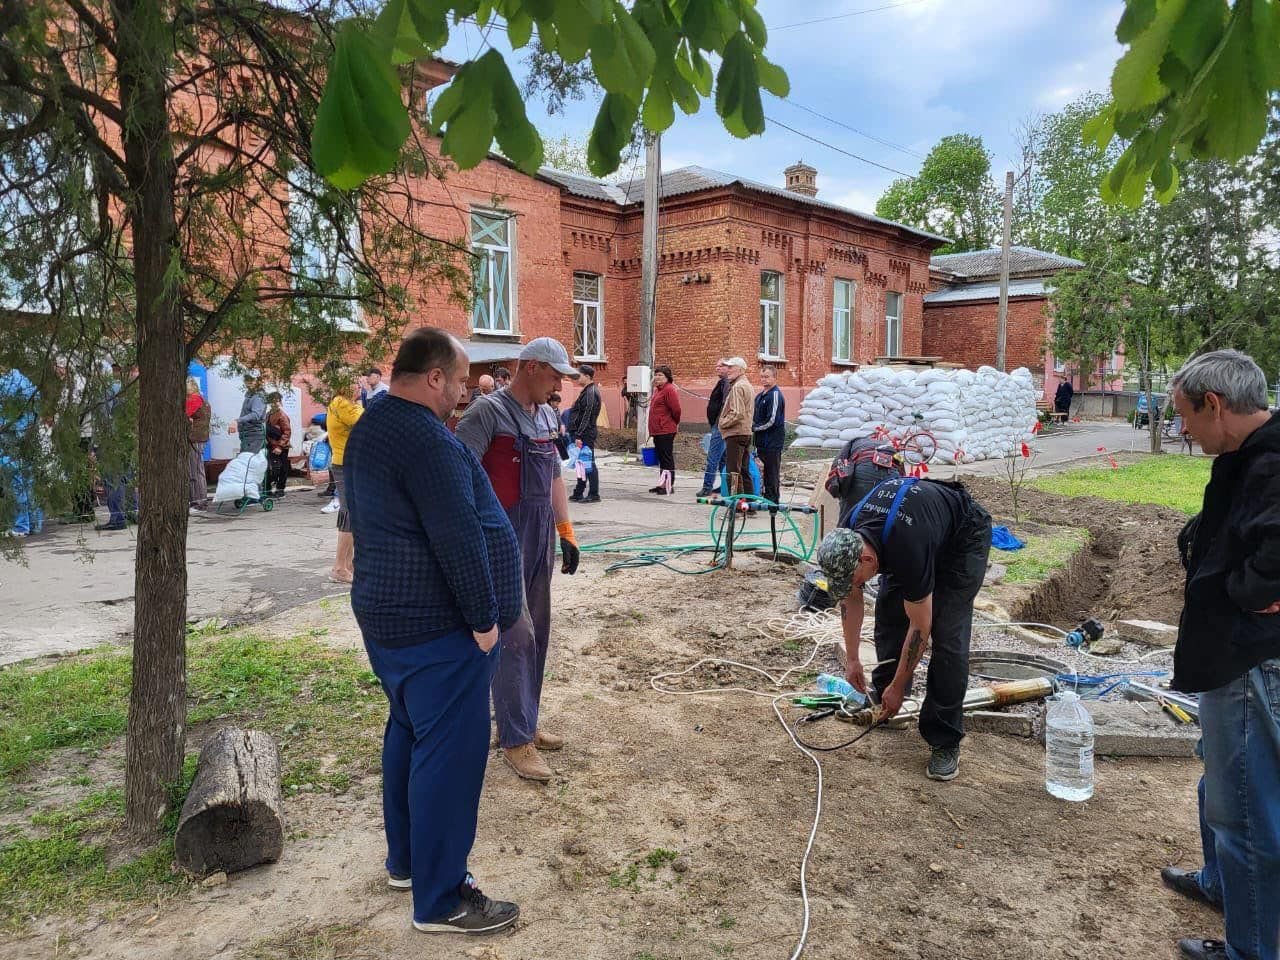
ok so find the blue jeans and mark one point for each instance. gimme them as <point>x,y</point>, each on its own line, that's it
<point>715,460</point>
<point>434,752</point>
<point>117,494</point>
<point>1240,809</point>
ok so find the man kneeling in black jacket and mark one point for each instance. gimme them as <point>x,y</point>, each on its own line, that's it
<point>1228,651</point>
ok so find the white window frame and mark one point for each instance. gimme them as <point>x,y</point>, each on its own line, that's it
<point>776,307</point>
<point>509,250</point>
<point>845,315</point>
<point>321,261</point>
<point>582,310</point>
<point>893,325</point>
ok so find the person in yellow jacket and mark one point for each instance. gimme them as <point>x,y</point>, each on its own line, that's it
<point>344,411</point>
<point>735,425</point>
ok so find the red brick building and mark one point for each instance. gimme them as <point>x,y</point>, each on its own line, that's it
<point>769,273</point>
<point>961,307</point>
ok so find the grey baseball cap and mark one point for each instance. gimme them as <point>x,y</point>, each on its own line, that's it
<point>839,555</point>
<point>552,351</point>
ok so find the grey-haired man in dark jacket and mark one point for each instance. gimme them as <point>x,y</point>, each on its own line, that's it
<point>1228,651</point>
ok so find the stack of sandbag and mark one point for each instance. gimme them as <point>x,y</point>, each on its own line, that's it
<point>973,416</point>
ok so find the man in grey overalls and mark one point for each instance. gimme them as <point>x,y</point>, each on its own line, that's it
<point>513,433</point>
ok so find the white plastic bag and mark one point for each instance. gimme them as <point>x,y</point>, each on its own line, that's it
<point>241,478</point>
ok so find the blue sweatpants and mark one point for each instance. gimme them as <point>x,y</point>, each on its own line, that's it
<point>434,753</point>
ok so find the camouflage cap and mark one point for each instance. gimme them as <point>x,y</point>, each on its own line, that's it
<point>839,555</point>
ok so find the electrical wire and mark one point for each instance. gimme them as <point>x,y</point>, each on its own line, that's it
<point>823,627</point>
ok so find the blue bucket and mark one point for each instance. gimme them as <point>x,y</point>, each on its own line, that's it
<point>649,456</point>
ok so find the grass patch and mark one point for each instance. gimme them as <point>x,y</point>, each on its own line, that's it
<point>1171,480</point>
<point>324,707</point>
<point>1043,554</point>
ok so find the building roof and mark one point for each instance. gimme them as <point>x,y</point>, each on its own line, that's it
<point>966,292</point>
<point>985,264</point>
<point>581,185</point>
<point>694,179</point>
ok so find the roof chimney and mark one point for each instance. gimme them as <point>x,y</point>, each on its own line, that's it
<point>802,178</point>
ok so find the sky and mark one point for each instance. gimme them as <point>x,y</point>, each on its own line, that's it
<point>907,76</point>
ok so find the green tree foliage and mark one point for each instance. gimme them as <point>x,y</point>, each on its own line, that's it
<point>1195,82</point>
<point>649,58</point>
<point>953,195</point>
<point>566,153</point>
<point>1165,280</point>
<point>1057,206</point>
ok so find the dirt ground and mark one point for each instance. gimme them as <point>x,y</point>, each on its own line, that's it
<point>675,825</point>
<point>1133,546</point>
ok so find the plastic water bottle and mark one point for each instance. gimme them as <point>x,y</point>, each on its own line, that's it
<point>829,683</point>
<point>1068,748</point>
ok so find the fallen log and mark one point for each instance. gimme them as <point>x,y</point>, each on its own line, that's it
<point>233,817</point>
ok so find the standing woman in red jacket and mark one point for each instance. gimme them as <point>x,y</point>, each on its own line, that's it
<point>664,420</point>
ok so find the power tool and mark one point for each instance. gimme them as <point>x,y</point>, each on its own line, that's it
<point>1088,632</point>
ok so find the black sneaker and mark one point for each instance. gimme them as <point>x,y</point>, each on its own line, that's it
<point>1187,883</point>
<point>108,526</point>
<point>279,494</point>
<point>704,492</point>
<point>1192,949</point>
<point>944,763</point>
<point>475,914</point>
<point>575,498</point>
<point>592,499</point>
<point>399,881</point>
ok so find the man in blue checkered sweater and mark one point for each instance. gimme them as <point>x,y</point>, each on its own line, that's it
<point>437,576</point>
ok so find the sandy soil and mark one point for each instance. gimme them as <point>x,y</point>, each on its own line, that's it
<point>989,866</point>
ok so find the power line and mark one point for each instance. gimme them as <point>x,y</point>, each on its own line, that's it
<point>845,16</point>
<point>861,133</point>
<point>831,146</point>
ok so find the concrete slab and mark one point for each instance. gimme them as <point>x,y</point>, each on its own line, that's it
<point>1126,729</point>
<point>992,721</point>
<point>1151,632</point>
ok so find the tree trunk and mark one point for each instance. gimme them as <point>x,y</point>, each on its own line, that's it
<point>233,818</point>
<point>157,701</point>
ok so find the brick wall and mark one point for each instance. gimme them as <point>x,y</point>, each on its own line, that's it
<point>966,333</point>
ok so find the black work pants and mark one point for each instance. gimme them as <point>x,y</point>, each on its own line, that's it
<point>771,479</point>
<point>277,469</point>
<point>664,445</point>
<point>960,571</point>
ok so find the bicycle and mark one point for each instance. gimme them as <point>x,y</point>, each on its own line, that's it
<point>914,449</point>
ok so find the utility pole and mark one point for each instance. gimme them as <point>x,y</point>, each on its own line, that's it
<point>649,271</point>
<point>1002,312</point>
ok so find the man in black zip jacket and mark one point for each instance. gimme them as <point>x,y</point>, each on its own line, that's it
<point>1228,651</point>
<point>582,427</point>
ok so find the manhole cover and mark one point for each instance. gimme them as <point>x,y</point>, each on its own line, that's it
<point>1013,665</point>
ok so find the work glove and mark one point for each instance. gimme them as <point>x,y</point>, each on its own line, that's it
<point>569,551</point>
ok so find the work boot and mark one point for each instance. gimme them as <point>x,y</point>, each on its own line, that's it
<point>1193,949</point>
<point>1187,883</point>
<point>527,762</point>
<point>476,913</point>
<point>944,763</point>
<point>547,741</point>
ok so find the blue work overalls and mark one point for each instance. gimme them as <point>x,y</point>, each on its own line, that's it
<point>517,682</point>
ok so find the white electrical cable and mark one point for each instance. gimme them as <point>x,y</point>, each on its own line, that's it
<point>823,627</point>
